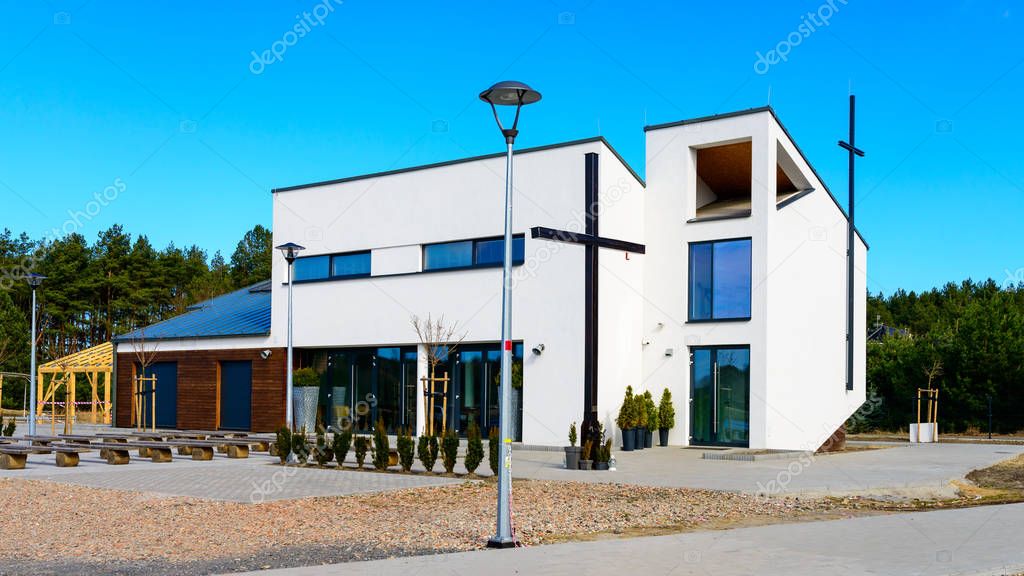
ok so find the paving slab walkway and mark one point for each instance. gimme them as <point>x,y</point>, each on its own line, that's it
<point>901,469</point>
<point>252,480</point>
<point>983,540</point>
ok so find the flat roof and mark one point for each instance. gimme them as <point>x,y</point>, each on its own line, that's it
<point>590,140</point>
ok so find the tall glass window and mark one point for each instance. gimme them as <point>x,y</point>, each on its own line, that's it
<point>720,280</point>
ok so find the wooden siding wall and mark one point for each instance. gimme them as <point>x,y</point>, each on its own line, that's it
<point>198,371</point>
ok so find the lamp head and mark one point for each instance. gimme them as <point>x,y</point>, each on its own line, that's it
<point>290,251</point>
<point>510,93</point>
<point>34,280</point>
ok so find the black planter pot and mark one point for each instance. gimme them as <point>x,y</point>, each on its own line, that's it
<point>572,457</point>
<point>585,464</point>
<point>648,438</point>
<point>639,434</point>
<point>628,440</point>
<point>663,436</point>
<point>600,465</point>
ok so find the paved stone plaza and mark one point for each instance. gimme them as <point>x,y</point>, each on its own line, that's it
<point>907,470</point>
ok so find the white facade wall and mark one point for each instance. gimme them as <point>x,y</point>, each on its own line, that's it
<point>797,329</point>
<point>394,215</point>
<point>807,318</point>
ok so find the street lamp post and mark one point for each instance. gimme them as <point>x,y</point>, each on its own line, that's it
<point>290,251</point>
<point>34,280</point>
<point>516,94</point>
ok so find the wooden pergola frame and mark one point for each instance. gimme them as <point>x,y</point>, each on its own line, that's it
<point>92,362</point>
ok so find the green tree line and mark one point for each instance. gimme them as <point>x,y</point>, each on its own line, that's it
<point>110,286</point>
<point>965,339</point>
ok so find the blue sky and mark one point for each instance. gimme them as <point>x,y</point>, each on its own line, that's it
<point>159,100</point>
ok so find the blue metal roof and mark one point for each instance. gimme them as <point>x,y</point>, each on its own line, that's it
<point>244,312</point>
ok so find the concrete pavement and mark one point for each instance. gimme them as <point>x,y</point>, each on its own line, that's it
<point>983,540</point>
<point>918,470</point>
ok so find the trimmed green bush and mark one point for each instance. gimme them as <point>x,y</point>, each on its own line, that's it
<point>381,446</point>
<point>651,409</point>
<point>627,418</point>
<point>284,443</point>
<point>474,448</point>
<point>449,450</point>
<point>362,444</point>
<point>341,444</point>
<point>427,452</point>
<point>299,446</point>
<point>493,446</point>
<point>10,427</point>
<point>572,434</point>
<point>322,453</point>
<point>405,450</point>
<point>666,412</point>
<point>305,377</point>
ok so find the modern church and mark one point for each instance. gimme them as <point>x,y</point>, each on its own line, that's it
<point>722,277</point>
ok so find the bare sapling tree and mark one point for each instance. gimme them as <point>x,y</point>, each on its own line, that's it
<point>437,336</point>
<point>933,372</point>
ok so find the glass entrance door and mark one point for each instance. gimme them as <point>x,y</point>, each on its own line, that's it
<point>720,395</point>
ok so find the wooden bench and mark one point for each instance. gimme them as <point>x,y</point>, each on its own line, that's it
<point>203,449</point>
<point>13,456</point>
<point>113,452</point>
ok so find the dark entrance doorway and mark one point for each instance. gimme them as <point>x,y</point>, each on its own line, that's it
<point>236,395</point>
<point>720,395</point>
<point>166,395</point>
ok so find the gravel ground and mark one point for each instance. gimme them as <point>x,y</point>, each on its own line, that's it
<point>58,528</point>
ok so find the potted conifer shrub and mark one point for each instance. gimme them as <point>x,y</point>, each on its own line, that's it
<point>585,461</point>
<point>305,396</point>
<point>626,421</point>
<point>640,409</point>
<point>604,454</point>
<point>666,417</point>
<point>651,409</point>
<point>572,451</point>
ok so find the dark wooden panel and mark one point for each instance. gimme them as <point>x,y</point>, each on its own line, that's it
<point>197,386</point>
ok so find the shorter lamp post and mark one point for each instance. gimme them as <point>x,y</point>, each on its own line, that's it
<point>290,251</point>
<point>34,280</point>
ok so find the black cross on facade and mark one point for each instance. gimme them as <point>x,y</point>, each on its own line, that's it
<point>850,232</point>
<point>592,241</point>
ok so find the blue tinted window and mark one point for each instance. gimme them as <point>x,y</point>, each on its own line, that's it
<point>720,280</point>
<point>490,252</point>
<point>448,255</point>
<point>311,268</point>
<point>700,281</point>
<point>732,279</point>
<point>357,264</point>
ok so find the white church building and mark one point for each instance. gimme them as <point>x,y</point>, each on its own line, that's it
<point>721,278</point>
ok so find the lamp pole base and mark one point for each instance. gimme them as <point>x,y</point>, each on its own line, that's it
<point>495,542</point>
